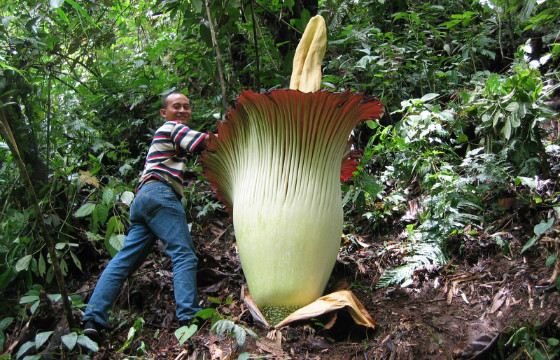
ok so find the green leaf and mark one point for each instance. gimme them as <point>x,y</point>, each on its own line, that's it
<point>85,210</point>
<point>543,226</point>
<point>34,306</point>
<point>117,241</point>
<point>185,332</point>
<point>506,130</point>
<point>4,323</point>
<point>28,299</point>
<point>99,216</point>
<point>69,340</point>
<point>76,260</point>
<point>129,339</point>
<point>372,124</point>
<point>496,119</point>
<point>244,356</point>
<point>515,121</point>
<point>54,297</point>
<point>493,84</point>
<point>55,4</point>
<point>80,10</point>
<point>553,341</point>
<point>23,263</point>
<point>208,313</point>
<point>127,197</point>
<point>24,348</point>
<point>550,260</point>
<point>114,225</point>
<point>197,5</point>
<point>42,265</point>
<point>370,185</point>
<point>42,338</point>
<point>532,241</point>
<point>429,96</point>
<point>88,343</point>
<point>512,107</point>
<point>62,15</point>
<point>108,196</point>
<point>93,236</point>
<point>6,277</point>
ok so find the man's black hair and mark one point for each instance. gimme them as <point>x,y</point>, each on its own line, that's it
<point>166,96</point>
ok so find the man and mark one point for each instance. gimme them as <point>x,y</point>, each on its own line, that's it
<point>156,213</point>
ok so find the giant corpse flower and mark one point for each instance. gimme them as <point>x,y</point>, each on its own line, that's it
<point>276,163</point>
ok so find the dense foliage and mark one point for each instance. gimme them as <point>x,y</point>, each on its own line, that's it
<point>470,89</point>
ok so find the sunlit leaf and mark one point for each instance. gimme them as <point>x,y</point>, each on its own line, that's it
<point>56,3</point>
<point>185,332</point>
<point>88,343</point>
<point>512,107</point>
<point>429,97</point>
<point>23,263</point>
<point>127,197</point>
<point>24,348</point>
<point>54,297</point>
<point>85,210</point>
<point>116,242</point>
<point>550,260</point>
<point>99,216</point>
<point>83,13</point>
<point>506,130</point>
<point>28,299</point>
<point>543,226</point>
<point>108,196</point>
<point>244,356</point>
<point>69,340</point>
<point>42,338</point>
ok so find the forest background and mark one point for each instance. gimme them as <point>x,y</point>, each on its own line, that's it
<point>463,165</point>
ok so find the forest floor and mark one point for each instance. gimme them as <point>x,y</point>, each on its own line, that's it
<point>468,309</point>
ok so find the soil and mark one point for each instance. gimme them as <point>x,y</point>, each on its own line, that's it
<point>468,309</point>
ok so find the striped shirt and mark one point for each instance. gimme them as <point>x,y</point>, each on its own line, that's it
<point>166,159</point>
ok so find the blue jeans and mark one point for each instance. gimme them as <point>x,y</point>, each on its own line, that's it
<point>156,212</point>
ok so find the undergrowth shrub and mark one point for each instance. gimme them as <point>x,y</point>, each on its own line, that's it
<point>455,175</point>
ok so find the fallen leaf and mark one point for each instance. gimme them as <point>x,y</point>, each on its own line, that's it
<point>332,302</point>
<point>271,347</point>
<point>87,178</point>
<point>499,300</point>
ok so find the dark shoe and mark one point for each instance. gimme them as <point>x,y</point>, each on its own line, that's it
<point>185,322</point>
<point>91,330</point>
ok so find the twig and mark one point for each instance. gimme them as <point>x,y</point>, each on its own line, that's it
<point>182,355</point>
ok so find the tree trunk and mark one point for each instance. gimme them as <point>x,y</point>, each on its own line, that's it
<point>23,130</point>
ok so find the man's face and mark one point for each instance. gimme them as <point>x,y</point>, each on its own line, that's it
<point>177,108</point>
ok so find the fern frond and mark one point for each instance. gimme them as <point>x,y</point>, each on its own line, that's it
<point>227,327</point>
<point>423,254</point>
